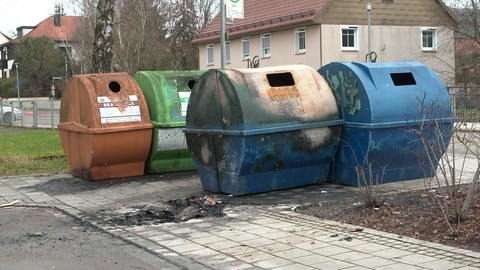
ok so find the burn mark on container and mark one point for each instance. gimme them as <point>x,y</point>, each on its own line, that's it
<point>270,161</point>
<point>201,147</point>
<point>314,140</point>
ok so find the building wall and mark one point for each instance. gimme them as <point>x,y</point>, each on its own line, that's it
<point>323,45</point>
<point>282,50</point>
<point>393,43</point>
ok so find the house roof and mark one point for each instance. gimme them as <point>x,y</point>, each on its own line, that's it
<point>4,38</point>
<point>65,31</point>
<point>264,15</point>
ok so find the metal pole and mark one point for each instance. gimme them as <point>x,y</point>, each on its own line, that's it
<point>18,84</point>
<point>51,100</point>
<point>222,35</point>
<point>369,10</point>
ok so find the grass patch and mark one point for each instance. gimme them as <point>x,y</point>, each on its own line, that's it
<point>31,151</point>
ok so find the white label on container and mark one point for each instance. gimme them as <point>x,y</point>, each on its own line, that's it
<point>109,113</point>
<point>171,139</point>
<point>184,97</point>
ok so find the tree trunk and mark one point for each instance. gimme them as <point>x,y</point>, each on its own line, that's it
<point>102,44</point>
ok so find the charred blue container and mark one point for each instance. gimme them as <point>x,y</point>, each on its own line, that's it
<point>257,130</point>
<point>398,121</point>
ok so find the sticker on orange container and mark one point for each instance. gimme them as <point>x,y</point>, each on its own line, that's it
<point>110,113</point>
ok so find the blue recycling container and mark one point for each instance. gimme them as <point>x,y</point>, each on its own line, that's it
<point>391,112</point>
<point>257,130</point>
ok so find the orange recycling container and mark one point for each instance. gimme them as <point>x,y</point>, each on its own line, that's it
<point>105,126</point>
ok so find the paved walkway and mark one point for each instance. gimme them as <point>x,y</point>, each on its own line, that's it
<point>259,232</point>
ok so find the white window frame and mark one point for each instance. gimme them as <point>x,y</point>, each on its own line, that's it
<point>210,51</point>
<point>266,51</point>
<point>245,50</point>
<point>434,39</point>
<point>297,37</point>
<point>227,52</point>
<point>353,28</point>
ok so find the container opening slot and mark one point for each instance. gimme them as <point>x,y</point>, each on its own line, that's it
<point>280,79</point>
<point>191,84</point>
<point>114,87</point>
<point>405,78</point>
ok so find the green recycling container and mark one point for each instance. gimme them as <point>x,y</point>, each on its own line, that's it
<point>167,94</point>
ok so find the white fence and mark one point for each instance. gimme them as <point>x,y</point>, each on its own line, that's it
<point>35,112</point>
<point>45,113</point>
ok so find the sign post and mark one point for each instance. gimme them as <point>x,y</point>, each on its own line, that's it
<point>234,9</point>
<point>222,35</point>
<point>52,88</point>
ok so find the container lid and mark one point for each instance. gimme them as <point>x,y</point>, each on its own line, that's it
<point>167,94</point>
<point>103,100</point>
<point>272,98</point>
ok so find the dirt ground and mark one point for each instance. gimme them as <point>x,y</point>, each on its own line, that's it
<point>414,214</point>
<point>45,238</point>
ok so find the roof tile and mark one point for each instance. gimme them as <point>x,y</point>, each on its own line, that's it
<point>263,15</point>
<point>66,31</point>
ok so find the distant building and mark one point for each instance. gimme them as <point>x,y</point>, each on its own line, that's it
<point>317,32</point>
<point>6,52</point>
<point>60,29</point>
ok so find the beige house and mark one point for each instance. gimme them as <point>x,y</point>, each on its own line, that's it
<point>317,32</point>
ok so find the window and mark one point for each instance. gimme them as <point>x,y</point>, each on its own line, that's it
<point>245,48</point>
<point>210,59</point>
<point>265,43</point>
<point>429,39</point>
<point>300,41</point>
<point>349,38</point>
<point>227,52</point>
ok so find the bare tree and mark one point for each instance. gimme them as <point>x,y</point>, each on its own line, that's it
<point>185,19</point>
<point>141,36</point>
<point>205,11</point>
<point>467,40</point>
<point>145,34</point>
<point>102,53</point>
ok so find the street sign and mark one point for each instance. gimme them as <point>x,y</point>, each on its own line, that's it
<point>234,9</point>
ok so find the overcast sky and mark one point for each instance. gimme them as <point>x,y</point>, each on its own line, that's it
<point>16,13</point>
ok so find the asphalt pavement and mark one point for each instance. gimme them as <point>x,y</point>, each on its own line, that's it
<point>258,231</point>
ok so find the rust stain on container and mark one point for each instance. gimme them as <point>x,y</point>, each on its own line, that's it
<point>283,93</point>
